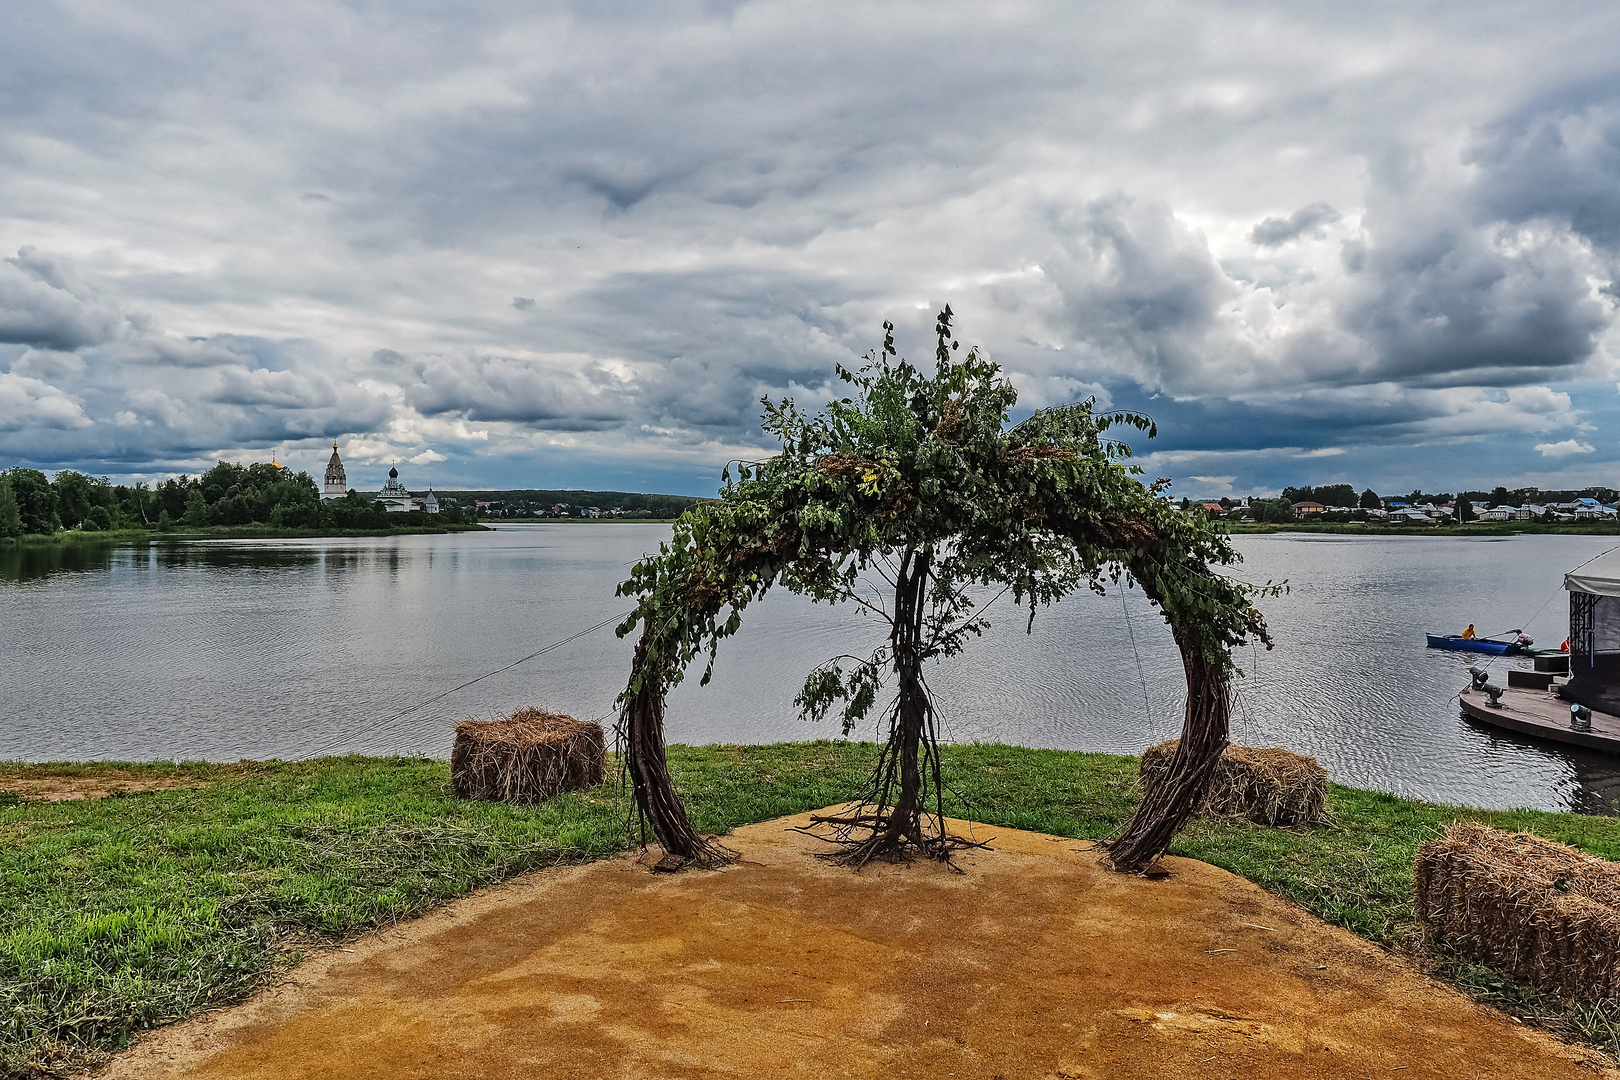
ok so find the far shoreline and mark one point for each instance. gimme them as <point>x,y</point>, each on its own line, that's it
<point>77,537</point>
<point>1482,528</point>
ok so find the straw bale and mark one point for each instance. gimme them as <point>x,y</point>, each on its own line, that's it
<point>1544,913</point>
<point>530,756</point>
<point>1270,787</point>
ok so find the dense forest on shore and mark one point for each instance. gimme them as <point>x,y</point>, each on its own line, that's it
<point>568,502</point>
<point>226,495</point>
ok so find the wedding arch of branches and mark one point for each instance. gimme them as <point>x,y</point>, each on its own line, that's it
<point>916,498</point>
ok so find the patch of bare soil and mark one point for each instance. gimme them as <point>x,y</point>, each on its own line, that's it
<point>1034,962</point>
<point>98,785</point>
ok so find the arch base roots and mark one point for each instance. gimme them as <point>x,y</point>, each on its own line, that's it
<point>866,832</point>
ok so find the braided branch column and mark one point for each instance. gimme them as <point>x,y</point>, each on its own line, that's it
<point>641,733</point>
<point>1172,801</point>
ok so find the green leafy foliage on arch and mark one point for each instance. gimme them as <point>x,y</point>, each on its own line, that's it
<point>912,497</point>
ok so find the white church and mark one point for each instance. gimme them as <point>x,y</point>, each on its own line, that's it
<point>394,497</point>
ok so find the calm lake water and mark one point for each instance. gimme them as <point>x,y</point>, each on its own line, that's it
<point>294,648</point>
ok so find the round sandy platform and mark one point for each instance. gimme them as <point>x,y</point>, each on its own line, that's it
<point>1033,963</point>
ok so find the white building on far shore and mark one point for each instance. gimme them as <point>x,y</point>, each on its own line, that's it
<point>394,496</point>
<point>396,499</point>
<point>337,483</point>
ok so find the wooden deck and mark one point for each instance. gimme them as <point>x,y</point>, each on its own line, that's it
<point>1544,714</point>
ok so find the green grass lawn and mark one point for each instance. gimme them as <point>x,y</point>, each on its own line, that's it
<point>121,913</point>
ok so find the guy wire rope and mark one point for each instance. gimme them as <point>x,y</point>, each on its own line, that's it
<point>258,767</point>
<point>319,750</point>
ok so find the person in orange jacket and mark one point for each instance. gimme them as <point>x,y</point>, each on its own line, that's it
<point>1468,634</point>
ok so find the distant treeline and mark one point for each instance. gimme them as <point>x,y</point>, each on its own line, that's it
<point>535,502</point>
<point>227,494</point>
<point>1345,495</point>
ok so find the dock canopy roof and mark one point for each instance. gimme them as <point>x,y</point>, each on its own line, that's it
<point>1600,575</point>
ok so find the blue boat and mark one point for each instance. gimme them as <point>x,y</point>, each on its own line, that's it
<point>1457,643</point>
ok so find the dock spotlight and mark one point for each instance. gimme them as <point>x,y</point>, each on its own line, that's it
<point>1481,676</point>
<point>1495,693</point>
<point>1580,718</point>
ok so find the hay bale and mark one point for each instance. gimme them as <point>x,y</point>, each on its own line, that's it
<point>528,757</point>
<point>1270,787</point>
<point>1544,913</point>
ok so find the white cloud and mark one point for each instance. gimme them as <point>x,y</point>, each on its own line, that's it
<point>26,403</point>
<point>1564,449</point>
<point>1214,487</point>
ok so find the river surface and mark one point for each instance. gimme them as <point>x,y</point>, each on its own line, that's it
<point>293,648</point>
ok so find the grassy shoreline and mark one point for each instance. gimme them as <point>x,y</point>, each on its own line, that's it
<point>73,537</point>
<point>131,911</point>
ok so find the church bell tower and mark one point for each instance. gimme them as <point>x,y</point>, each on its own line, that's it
<point>337,484</point>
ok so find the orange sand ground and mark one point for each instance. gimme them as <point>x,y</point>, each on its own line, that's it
<point>1033,963</point>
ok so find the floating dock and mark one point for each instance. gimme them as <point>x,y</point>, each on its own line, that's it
<point>1543,714</point>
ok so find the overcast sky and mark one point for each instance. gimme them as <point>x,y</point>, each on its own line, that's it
<point>512,245</point>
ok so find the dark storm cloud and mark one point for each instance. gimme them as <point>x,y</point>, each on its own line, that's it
<point>1306,221</point>
<point>1449,308</point>
<point>1558,161</point>
<point>703,351</point>
<point>99,384</point>
<point>544,395</point>
<point>1452,287</point>
<point>43,304</point>
<point>1137,283</point>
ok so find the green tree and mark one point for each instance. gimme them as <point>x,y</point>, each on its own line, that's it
<point>1272,511</point>
<point>1465,511</point>
<point>1500,496</point>
<point>73,500</point>
<point>903,499</point>
<point>134,501</point>
<point>1336,495</point>
<point>11,524</point>
<point>196,514</point>
<point>171,496</point>
<point>98,519</point>
<point>36,502</point>
<point>1370,500</point>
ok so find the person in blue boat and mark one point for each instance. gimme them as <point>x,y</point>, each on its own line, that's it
<point>1468,634</point>
<point>1524,640</point>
